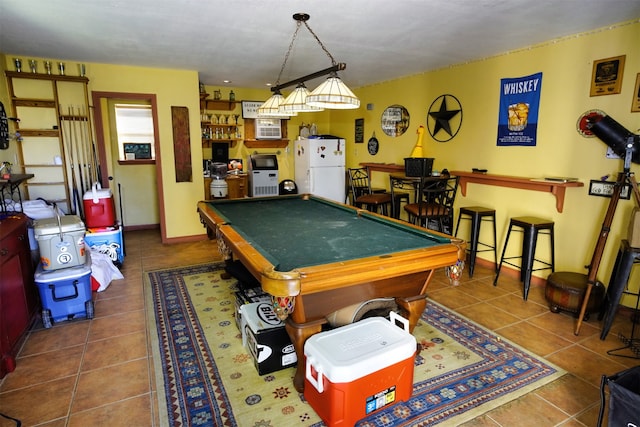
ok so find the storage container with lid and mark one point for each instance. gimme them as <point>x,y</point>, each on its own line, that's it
<point>65,293</point>
<point>99,207</point>
<point>357,369</point>
<point>61,241</point>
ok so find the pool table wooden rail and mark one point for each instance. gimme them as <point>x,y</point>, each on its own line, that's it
<point>321,278</point>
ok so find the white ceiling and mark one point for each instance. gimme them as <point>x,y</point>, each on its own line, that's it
<point>245,40</point>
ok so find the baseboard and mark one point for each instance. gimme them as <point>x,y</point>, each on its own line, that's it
<point>511,272</point>
<point>141,227</point>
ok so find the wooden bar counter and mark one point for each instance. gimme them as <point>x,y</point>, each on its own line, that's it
<point>557,188</point>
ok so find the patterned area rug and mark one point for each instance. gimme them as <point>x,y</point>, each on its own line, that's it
<point>206,377</point>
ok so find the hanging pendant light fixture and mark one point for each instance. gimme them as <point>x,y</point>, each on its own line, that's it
<point>332,94</point>
<point>271,107</point>
<point>297,101</point>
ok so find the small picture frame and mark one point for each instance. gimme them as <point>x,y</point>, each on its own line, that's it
<point>605,189</point>
<point>635,103</point>
<point>359,131</point>
<point>250,110</point>
<point>137,151</point>
<point>606,78</point>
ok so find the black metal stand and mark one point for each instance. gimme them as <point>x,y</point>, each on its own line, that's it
<point>630,343</point>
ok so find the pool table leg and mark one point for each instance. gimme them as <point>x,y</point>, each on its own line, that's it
<point>299,334</point>
<point>413,308</point>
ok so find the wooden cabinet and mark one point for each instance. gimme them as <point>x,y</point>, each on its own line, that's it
<point>219,122</point>
<point>18,293</point>
<point>56,131</point>
<point>237,185</point>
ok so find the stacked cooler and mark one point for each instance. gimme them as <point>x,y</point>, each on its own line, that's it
<point>103,232</point>
<point>63,275</point>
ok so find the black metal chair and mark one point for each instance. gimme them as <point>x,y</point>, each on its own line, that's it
<point>363,196</point>
<point>434,204</point>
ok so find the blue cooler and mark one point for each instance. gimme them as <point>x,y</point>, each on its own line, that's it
<point>65,293</point>
<point>106,240</point>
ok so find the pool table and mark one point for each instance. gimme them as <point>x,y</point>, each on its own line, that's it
<point>317,256</point>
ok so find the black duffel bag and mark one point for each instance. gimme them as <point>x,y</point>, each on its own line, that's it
<point>624,398</point>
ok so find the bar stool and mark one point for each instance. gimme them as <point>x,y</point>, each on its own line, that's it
<point>530,227</point>
<point>478,214</point>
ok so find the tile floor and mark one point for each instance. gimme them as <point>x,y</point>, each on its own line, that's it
<point>99,372</point>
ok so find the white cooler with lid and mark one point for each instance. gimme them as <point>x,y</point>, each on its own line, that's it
<point>358,369</point>
<point>61,242</point>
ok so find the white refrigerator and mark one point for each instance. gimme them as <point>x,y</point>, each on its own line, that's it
<point>320,167</point>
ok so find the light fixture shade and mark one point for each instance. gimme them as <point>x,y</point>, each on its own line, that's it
<point>271,107</point>
<point>333,94</point>
<point>297,101</point>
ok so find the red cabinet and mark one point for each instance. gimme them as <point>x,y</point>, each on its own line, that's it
<point>18,294</point>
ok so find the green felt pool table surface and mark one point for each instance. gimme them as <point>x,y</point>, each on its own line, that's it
<point>296,232</point>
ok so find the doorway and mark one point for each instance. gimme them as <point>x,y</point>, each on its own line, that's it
<point>134,172</point>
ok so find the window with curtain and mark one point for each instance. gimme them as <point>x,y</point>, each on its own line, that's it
<point>134,125</point>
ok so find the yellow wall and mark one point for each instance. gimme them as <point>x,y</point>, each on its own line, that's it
<point>566,65</point>
<point>172,88</point>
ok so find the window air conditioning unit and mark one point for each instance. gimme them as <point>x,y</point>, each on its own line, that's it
<point>268,129</point>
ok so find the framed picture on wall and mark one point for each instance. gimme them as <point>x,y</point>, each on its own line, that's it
<point>359,131</point>
<point>250,111</point>
<point>635,103</point>
<point>136,151</point>
<point>606,78</point>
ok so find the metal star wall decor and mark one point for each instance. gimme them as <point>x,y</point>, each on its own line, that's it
<point>444,121</point>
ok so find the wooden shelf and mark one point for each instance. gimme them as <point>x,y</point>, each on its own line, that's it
<point>40,76</point>
<point>48,183</point>
<point>219,125</point>
<point>40,132</point>
<point>217,104</point>
<point>556,188</point>
<point>38,103</point>
<point>42,165</point>
<point>266,143</point>
<point>207,142</point>
<point>55,144</point>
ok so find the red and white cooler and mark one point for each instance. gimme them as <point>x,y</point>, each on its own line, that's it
<point>99,207</point>
<point>358,369</point>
